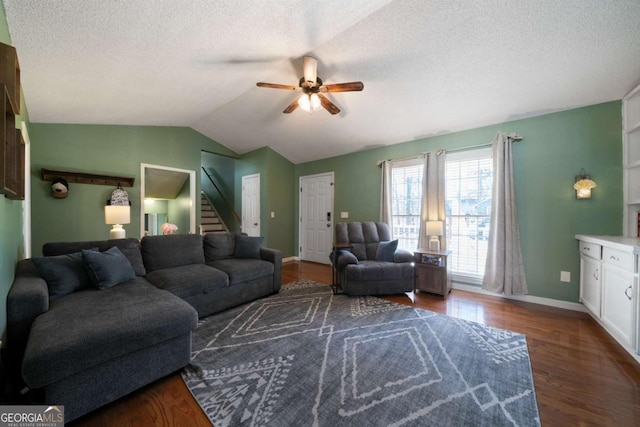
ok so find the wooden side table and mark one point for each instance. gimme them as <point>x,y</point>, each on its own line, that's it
<point>432,274</point>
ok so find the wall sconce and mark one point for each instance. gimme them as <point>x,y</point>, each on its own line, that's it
<point>117,215</point>
<point>434,229</point>
<point>583,185</point>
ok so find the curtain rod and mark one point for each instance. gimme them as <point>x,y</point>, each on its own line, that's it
<point>514,136</point>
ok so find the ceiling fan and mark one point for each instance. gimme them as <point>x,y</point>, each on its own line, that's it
<point>313,89</point>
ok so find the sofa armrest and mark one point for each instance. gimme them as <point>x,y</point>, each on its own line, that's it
<point>28,298</point>
<point>345,258</point>
<point>403,255</point>
<point>274,256</point>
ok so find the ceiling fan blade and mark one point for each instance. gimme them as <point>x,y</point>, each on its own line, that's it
<point>292,107</point>
<point>328,105</point>
<point>342,87</point>
<point>278,86</point>
<point>310,69</point>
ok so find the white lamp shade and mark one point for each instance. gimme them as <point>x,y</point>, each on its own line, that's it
<point>117,214</point>
<point>434,228</point>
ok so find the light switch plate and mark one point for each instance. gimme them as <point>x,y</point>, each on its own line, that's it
<point>344,215</point>
<point>565,276</point>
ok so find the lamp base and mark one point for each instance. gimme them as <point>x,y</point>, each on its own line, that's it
<point>117,232</point>
<point>434,243</point>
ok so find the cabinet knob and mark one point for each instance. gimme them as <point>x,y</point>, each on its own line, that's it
<point>626,294</point>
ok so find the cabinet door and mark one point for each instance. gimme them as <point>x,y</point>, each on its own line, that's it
<point>590,290</point>
<point>618,299</point>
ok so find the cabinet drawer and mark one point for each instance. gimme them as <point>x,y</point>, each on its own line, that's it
<point>592,250</point>
<point>624,260</point>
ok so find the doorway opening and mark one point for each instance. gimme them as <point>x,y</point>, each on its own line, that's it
<point>167,194</point>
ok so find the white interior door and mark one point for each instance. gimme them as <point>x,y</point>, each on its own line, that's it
<point>251,204</point>
<point>316,217</point>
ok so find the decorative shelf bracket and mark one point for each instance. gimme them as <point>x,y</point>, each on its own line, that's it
<point>87,178</point>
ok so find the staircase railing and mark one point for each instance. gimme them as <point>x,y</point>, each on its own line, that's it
<point>224,199</point>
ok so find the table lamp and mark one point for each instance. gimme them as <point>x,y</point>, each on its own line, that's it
<point>434,229</point>
<point>116,216</point>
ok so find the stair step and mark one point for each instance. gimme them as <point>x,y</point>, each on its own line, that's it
<point>212,227</point>
<point>210,221</point>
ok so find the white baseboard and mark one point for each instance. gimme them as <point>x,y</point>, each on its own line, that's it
<point>290,258</point>
<point>526,298</point>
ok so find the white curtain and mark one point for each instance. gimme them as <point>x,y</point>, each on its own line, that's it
<point>504,270</point>
<point>433,198</point>
<point>386,192</point>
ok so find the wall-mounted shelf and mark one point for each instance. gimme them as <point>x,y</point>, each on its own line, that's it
<point>87,178</point>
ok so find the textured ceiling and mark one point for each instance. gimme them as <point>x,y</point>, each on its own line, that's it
<point>428,67</point>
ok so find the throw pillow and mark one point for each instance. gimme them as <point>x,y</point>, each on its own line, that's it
<point>386,250</point>
<point>248,247</point>
<point>64,274</point>
<point>109,268</point>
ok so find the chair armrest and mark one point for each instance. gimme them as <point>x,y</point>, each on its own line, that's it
<point>403,255</point>
<point>345,258</point>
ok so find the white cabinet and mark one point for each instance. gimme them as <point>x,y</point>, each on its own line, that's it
<point>618,303</point>
<point>631,161</point>
<point>609,285</point>
<point>590,290</point>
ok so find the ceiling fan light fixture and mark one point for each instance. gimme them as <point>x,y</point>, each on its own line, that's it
<point>309,102</point>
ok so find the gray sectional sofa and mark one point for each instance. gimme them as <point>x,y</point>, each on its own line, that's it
<point>90,322</point>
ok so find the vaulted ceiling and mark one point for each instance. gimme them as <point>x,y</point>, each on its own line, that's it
<point>428,66</point>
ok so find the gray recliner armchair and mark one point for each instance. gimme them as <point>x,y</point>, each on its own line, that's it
<point>372,265</point>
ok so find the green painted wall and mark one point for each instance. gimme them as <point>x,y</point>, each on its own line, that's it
<point>11,213</point>
<point>277,194</point>
<point>555,147</point>
<point>178,210</point>
<point>114,150</point>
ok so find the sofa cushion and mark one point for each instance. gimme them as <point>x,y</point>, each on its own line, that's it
<point>130,247</point>
<point>172,250</point>
<point>248,246</point>
<point>189,280</point>
<point>379,270</point>
<point>108,268</point>
<point>219,246</point>
<point>64,274</point>
<point>243,270</point>
<point>90,327</point>
<point>386,250</point>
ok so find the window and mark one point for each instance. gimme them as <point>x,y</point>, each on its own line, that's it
<point>469,180</point>
<point>406,188</point>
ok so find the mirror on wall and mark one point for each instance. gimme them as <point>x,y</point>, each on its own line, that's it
<point>168,200</point>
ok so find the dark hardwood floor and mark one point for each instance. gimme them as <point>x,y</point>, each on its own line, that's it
<point>582,376</point>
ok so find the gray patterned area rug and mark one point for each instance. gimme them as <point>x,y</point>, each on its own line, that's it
<point>306,357</point>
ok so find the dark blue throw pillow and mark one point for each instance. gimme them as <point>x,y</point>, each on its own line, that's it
<point>64,274</point>
<point>109,268</point>
<point>248,247</point>
<point>386,250</point>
